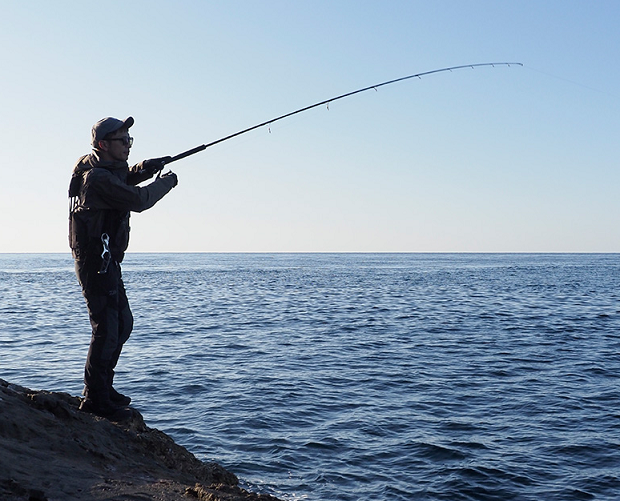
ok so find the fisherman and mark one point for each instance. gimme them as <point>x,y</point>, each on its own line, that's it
<point>103,191</point>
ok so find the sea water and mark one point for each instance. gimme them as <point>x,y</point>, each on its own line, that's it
<point>354,376</point>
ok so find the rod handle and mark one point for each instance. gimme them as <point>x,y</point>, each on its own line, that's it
<point>187,153</point>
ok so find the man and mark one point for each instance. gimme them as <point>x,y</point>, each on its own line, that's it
<point>103,192</point>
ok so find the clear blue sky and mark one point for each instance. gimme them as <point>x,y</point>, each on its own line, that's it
<point>489,160</point>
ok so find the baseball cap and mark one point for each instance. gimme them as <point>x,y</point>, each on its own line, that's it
<point>108,125</point>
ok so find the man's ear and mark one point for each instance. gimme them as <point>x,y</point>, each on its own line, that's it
<point>102,145</point>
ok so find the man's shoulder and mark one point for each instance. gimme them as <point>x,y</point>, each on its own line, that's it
<point>98,170</point>
<point>97,175</point>
<point>91,165</point>
<point>102,181</point>
<point>103,172</point>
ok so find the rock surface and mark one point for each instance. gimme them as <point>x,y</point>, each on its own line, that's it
<point>51,451</point>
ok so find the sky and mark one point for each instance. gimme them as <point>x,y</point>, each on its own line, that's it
<point>492,159</point>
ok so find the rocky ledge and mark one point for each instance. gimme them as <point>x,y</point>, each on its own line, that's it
<point>51,451</point>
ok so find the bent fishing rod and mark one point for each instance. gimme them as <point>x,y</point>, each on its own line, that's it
<point>203,147</point>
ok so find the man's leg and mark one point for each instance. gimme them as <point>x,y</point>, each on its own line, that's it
<point>125,326</point>
<point>104,319</point>
<point>101,292</point>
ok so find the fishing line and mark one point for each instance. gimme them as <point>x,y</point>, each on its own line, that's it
<point>326,102</point>
<point>573,82</point>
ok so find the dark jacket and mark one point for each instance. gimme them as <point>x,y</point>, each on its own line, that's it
<point>102,196</point>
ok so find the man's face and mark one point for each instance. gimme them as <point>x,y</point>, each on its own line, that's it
<point>117,146</point>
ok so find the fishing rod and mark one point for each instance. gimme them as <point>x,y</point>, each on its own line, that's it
<point>203,147</point>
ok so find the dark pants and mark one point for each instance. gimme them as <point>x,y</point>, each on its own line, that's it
<point>111,321</point>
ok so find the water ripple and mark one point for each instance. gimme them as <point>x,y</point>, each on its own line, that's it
<point>348,377</point>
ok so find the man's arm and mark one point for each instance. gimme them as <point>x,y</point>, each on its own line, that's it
<point>124,197</point>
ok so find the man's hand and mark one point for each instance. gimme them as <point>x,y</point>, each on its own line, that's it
<point>172,176</point>
<point>154,165</point>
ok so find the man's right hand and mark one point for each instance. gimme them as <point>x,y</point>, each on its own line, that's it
<point>154,165</point>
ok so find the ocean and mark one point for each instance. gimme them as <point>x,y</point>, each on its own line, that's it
<point>349,377</point>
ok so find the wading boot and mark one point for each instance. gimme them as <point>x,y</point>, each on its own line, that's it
<point>118,398</point>
<point>102,406</point>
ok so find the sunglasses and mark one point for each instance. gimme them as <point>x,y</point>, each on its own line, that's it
<point>127,141</point>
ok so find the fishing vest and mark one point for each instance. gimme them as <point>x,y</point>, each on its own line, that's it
<point>88,224</point>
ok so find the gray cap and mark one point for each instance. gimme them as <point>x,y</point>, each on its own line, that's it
<point>108,125</point>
